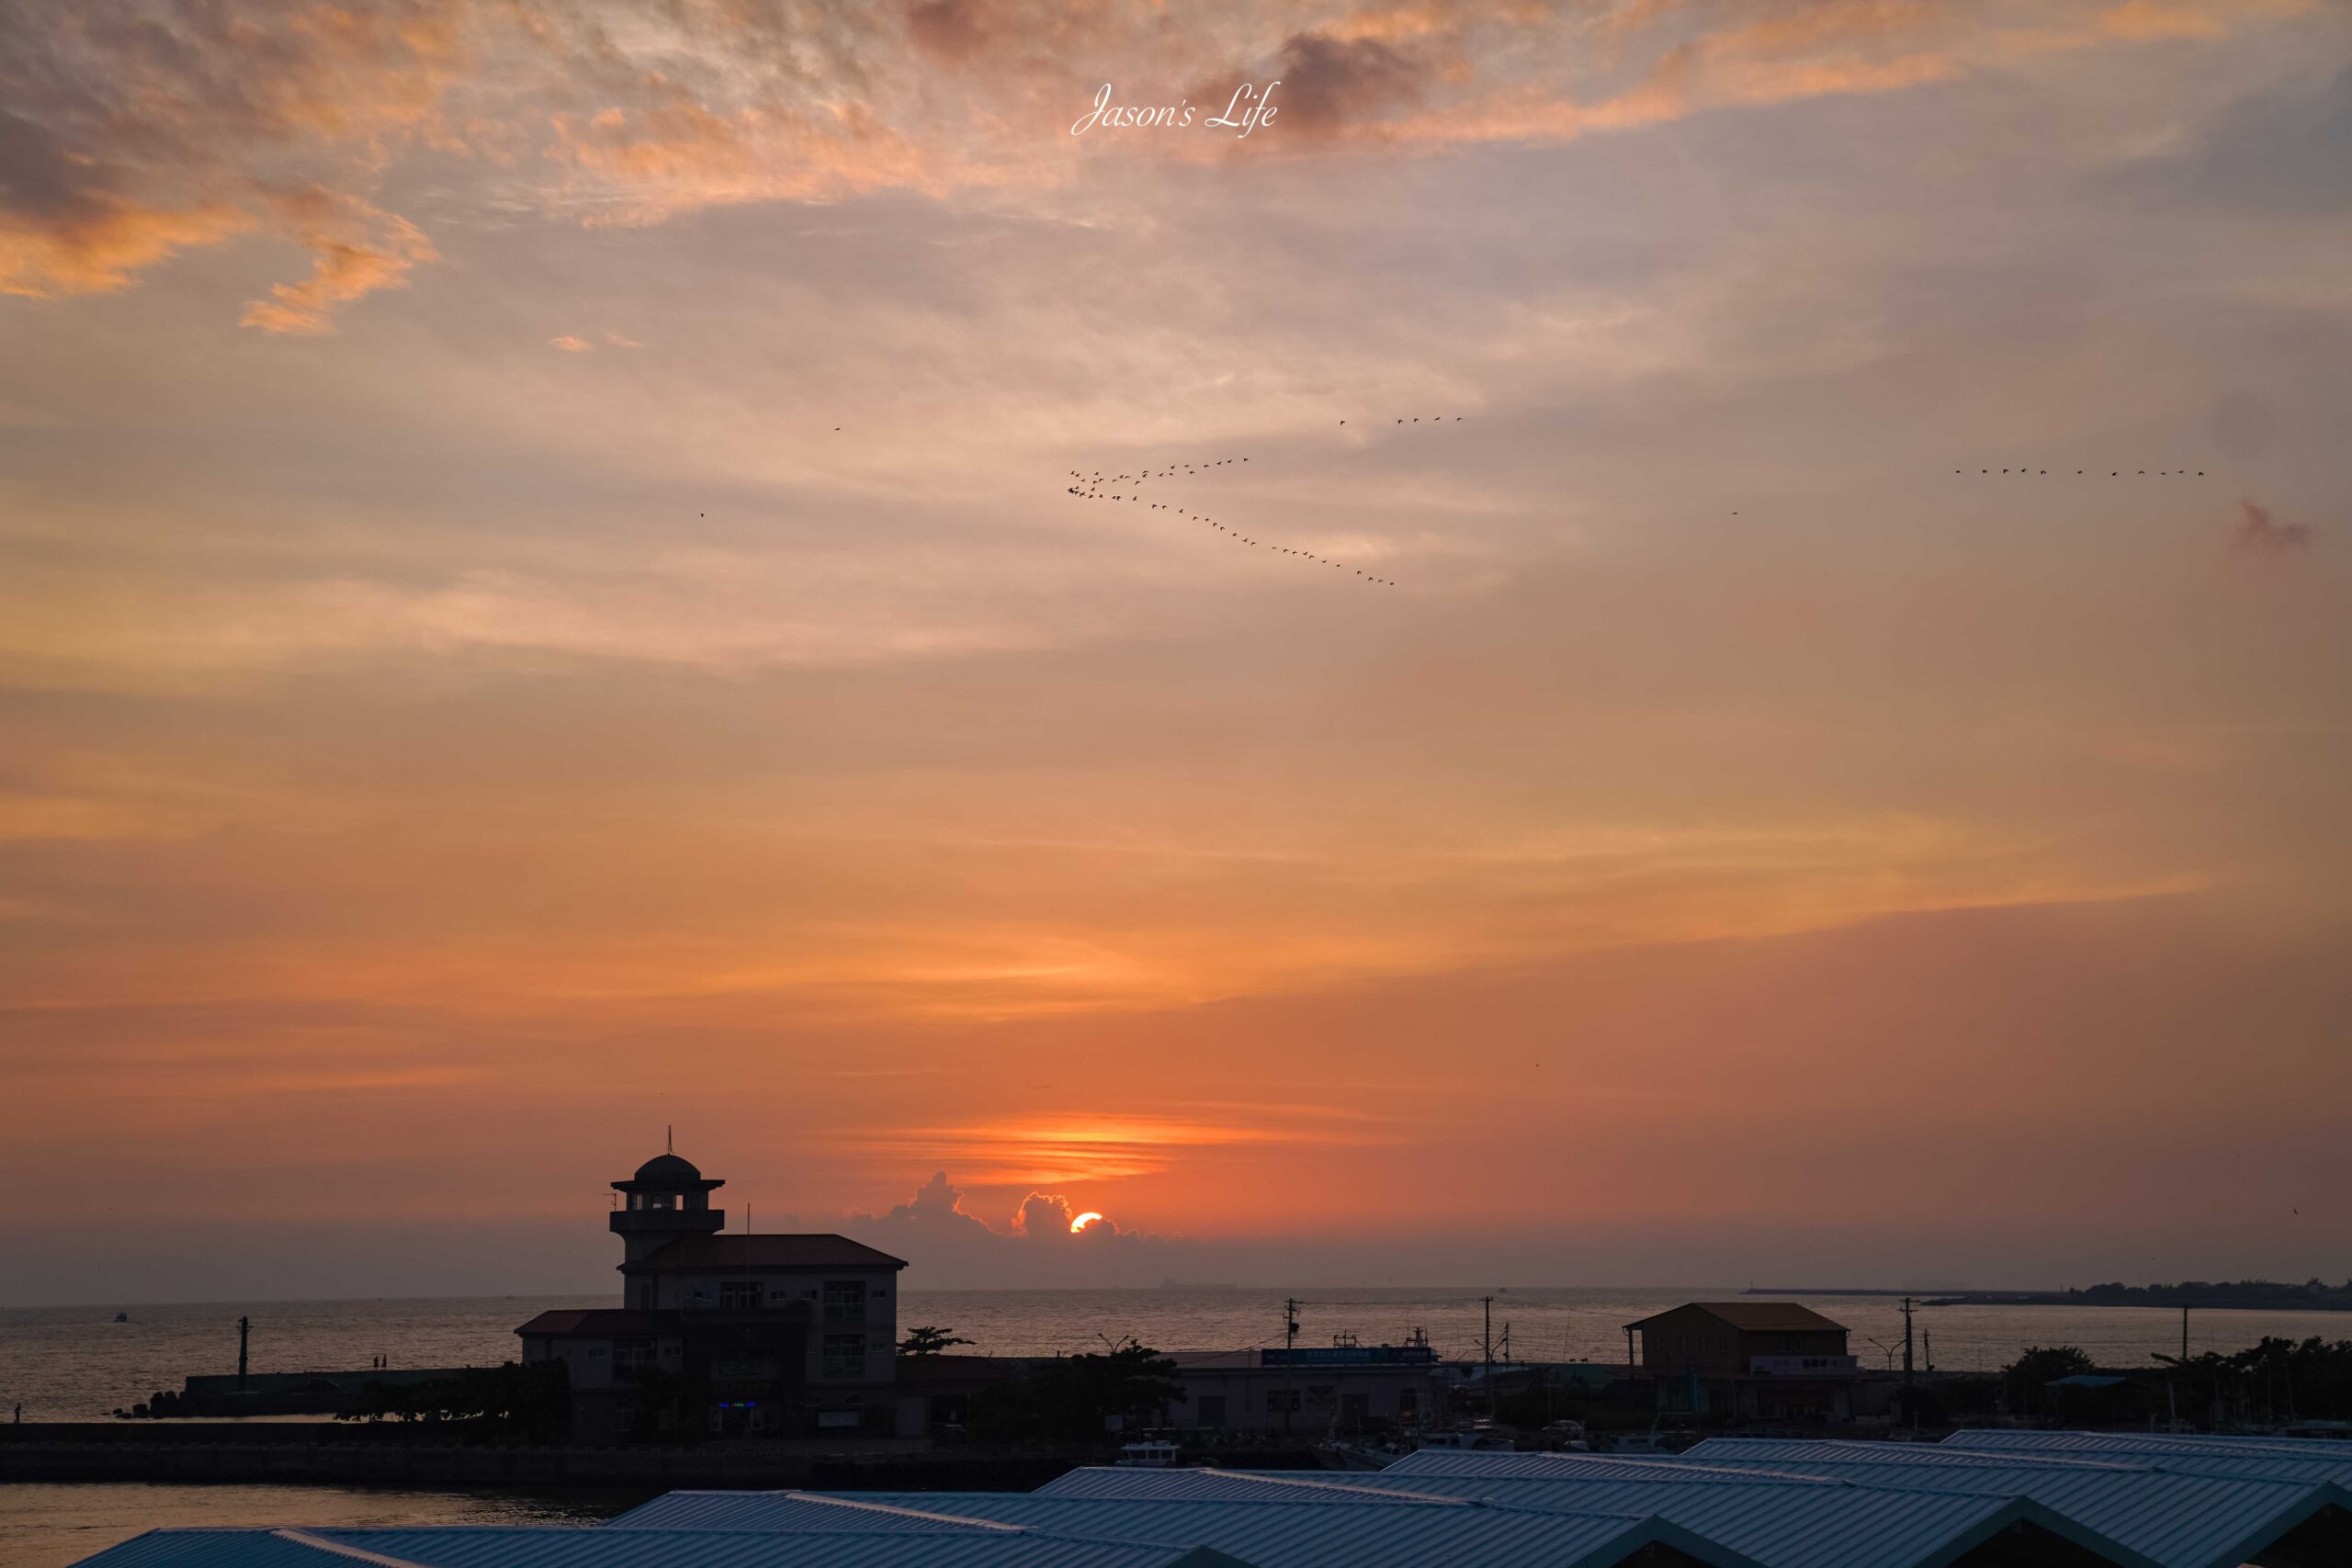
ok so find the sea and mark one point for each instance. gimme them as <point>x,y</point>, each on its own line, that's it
<point>80,1364</point>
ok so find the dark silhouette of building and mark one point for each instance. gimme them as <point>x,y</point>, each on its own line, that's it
<point>781,1336</point>
<point>1748,1361</point>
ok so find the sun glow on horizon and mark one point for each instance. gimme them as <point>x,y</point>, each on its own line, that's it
<point>1083,1220</point>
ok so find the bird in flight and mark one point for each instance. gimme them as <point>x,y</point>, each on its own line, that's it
<point>1090,490</point>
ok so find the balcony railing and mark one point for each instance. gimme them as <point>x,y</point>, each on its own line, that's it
<point>1801,1366</point>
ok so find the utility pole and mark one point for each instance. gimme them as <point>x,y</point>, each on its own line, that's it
<point>1907,1349</point>
<point>1489,1347</point>
<point>244,1329</point>
<point>2184,1334</point>
<point>1289,1360</point>
<point>1629,1350</point>
<point>1928,1347</point>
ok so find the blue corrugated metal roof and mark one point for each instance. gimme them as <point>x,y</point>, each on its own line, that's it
<point>781,1510</point>
<point>1557,1467</point>
<point>2175,1519</point>
<point>2316,1447</point>
<point>1819,1524</point>
<point>1274,1531</point>
<point>1722,1450</point>
<point>536,1547</point>
<point>2200,1511</point>
<point>1313,1487</point>
<point>214,1548</point>
<point>2265,1466</point>
<point>2141,1502</point>
<point>1782,1524</point>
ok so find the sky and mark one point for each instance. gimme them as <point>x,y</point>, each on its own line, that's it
<point>540,603</point>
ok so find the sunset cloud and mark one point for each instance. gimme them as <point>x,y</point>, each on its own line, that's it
<point>1074,1147</point>
<point>2257,535</point>
<point>356,250</point>
<point>935,1232</point>
<point>419,737</point>
<point>126,146</point>
<point>101,248</point>
<point>1328,83</point>
<point>125,141</point>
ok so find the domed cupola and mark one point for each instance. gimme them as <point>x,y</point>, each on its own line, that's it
<point>667,1197</point>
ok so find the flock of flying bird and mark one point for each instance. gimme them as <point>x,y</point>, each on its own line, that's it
<point>1090,487</point>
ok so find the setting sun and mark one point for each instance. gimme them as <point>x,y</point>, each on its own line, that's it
<point>1083,1220</point>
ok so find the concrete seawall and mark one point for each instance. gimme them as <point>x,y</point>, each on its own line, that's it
<point>350,1457</point>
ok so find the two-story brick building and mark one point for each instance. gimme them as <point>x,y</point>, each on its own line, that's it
<point>781,1336</point>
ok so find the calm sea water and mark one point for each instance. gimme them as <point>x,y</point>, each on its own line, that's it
<point>75,1363</point>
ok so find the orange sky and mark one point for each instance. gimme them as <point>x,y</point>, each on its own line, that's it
<point>538,601</point>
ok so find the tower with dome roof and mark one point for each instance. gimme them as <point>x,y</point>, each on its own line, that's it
<point>668,1198</point>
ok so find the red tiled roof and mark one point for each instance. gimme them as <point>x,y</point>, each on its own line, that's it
<point>1759,1317</point>
<point>701,1252</point>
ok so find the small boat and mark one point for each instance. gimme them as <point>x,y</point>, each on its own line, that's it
<point>122,1317</point>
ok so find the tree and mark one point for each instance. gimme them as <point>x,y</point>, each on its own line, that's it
<point>2278,1380</point>
<point>2031,1373</point>
<point>2038,1366</point>
<point>929,1340</point>
<point>1073,1400</point>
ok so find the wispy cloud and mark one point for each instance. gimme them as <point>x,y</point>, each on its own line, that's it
<point>2258,533</point>
<point>126,139</point>
<point>356,250</point>
<point>1075,1148</point>
<point>126,142</point>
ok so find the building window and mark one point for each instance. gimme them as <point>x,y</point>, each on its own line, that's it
<point>739,1295</point>
<point>845,1356</point>
<point>845,1301</point>
<point>645,1295</point>
<point>631,1354</point>
<point>1408,1403</point>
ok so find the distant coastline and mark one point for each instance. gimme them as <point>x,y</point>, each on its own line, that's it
<point>2242,1295</point>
